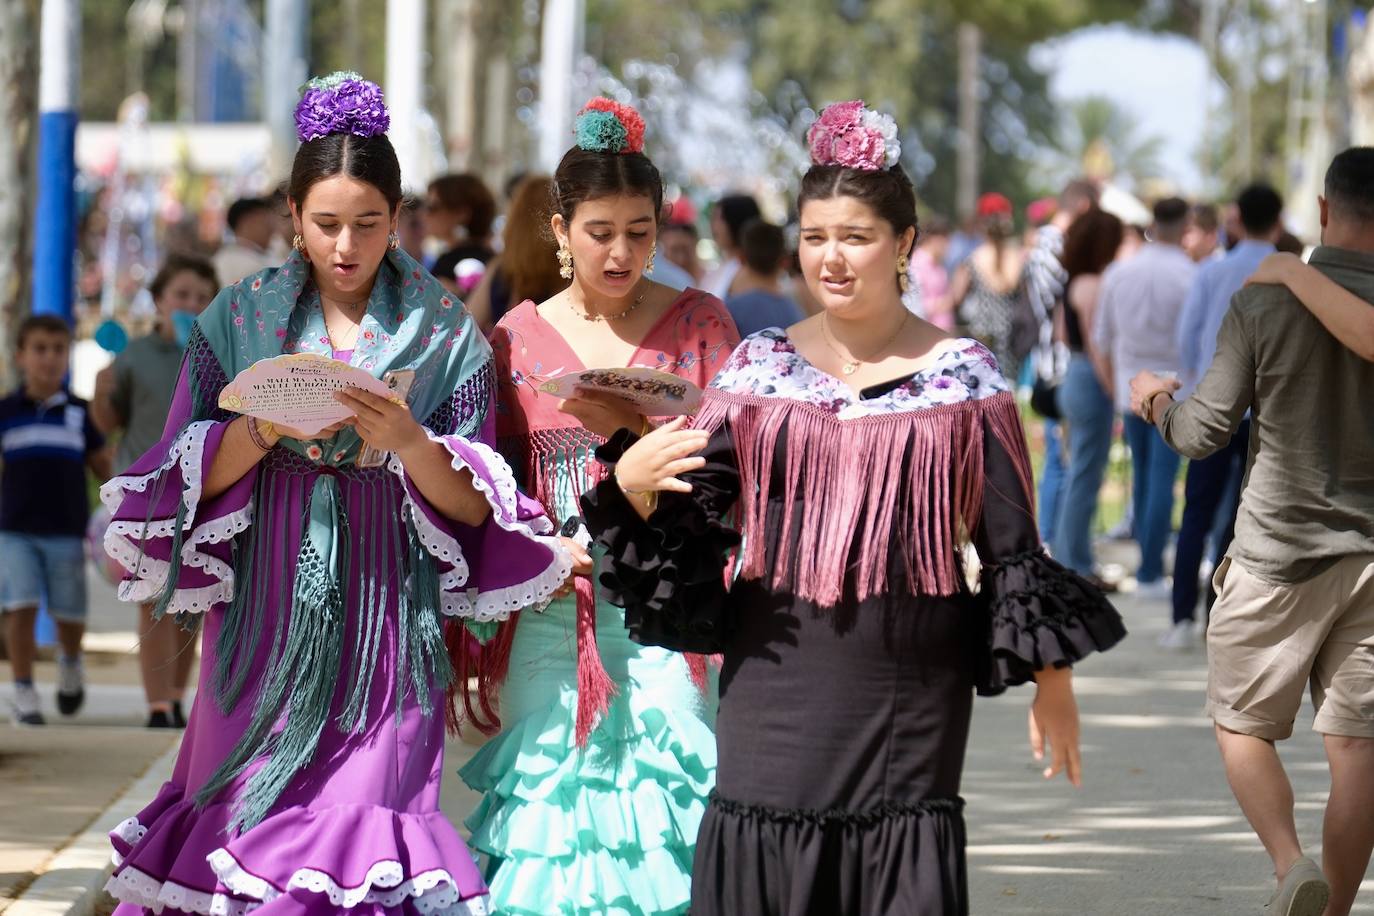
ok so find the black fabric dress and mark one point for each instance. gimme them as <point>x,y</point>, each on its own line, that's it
<point>841,731</point>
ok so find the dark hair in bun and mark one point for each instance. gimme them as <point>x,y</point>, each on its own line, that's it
<point>888,192</point>
<point>585,175</point>
<point>369,159</point>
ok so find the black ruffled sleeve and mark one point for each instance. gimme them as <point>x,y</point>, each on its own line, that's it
<point>1040,614</point>
<point>668,573</point>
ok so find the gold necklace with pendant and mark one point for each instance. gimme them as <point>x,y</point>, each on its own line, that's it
<point>851,365</point>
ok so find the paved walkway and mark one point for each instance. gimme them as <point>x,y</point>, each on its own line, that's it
<point>1153,832</point>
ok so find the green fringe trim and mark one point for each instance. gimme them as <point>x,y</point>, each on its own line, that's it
<point>302,679</point>
<point>367,639</point>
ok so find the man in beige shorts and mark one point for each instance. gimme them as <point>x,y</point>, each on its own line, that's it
<point>1295,605</point>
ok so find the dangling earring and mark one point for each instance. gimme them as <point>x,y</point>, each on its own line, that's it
<point>298,243</point>
<point>565,262</point>
<point>649,264</point>
<point>903,280</point>
<point>393,241</point>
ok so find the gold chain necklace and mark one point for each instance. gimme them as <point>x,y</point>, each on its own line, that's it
<point>345,308</point>
<point>851,365</point>
<point>587,315</point>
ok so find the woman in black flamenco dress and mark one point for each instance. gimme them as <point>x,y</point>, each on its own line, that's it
<point>859,454</point>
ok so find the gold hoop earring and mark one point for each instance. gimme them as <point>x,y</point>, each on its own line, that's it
<point>565,267</point>
<point>298,243</point>
<point>393,241</point>
<point>903,278</point>
<point>649,264</point>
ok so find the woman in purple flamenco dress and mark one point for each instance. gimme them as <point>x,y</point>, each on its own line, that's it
<point>308,780</point>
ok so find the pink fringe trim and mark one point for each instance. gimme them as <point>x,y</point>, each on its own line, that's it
<point>917,477</point>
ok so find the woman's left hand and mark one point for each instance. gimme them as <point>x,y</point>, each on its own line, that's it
<point>602,414</point>
<point>1054,718</point>
<point>384,424</point>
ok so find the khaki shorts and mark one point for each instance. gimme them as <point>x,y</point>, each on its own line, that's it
<point>1267,641</point>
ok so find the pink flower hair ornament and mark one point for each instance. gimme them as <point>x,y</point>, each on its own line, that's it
<point>853,136</point>
<point>606,126</point>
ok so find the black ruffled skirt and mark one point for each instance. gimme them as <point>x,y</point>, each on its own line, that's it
<point>841,739</point>
<point>841,732</point>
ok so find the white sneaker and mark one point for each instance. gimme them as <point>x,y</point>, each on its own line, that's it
<point>1158,590</point>
<point>1181,636</point>
<point>27,709</point>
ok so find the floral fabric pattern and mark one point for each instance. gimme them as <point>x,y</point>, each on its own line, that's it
<point>768,364</point>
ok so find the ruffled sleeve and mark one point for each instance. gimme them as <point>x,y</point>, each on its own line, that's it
<point>510,561</point>
<point>162,529</point>
<point>1040,614</point>
<point>669,573</point>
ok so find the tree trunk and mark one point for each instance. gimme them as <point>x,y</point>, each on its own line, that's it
<point>18,111</point>
<point>460,62</point>
<point>969,144</point>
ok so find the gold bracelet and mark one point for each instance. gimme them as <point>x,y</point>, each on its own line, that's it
<point>650,496</point>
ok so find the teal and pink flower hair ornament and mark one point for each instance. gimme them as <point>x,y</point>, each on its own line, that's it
<point>854,136</point>
<point>606,126</point>
<point>340,103</point>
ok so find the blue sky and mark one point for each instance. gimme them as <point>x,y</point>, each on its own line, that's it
<point>1160,79</point>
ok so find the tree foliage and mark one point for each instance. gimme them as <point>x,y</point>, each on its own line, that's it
<point>1096,127</point>
<point>899,55</point>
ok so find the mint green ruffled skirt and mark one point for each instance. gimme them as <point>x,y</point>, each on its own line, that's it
<point>609,828</point>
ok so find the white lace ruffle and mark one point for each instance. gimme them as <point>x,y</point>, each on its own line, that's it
<point>433,892</point>
<point>497,603</point>
<point>215,531</point>
<point>130,831</point>
<point>129,885</point>
<point>148,575</point>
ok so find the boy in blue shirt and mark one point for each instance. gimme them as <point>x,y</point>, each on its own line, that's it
<point>47,441</point>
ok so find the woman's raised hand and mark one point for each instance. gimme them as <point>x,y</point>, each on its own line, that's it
<point>655,461</point>
<point>384,424</point>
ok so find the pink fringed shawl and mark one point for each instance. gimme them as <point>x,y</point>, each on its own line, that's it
<point>693,339</point>
<point>915,477</point>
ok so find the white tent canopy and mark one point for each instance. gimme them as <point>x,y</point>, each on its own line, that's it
<point>159,149</point>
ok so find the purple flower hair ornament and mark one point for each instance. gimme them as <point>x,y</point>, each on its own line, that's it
<point>340,103</point>
<point>851,135</point>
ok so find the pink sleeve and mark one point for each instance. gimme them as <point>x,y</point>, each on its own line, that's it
<point>707,334</point>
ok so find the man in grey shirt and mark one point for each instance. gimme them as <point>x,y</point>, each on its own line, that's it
<point>1295,603</point>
